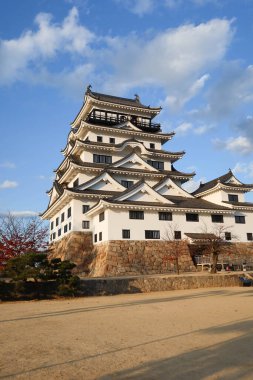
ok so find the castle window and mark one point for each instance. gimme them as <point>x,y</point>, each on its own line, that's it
<point>112,140</point>
<point>99,139</point>
<point>152,234</point>
<point>165,215</point>
<point>62,217</point>
<point>177,235</point>
<point>69,212</point>
<point>227,235</point>
<point>192,217</point>
<point>69,226</point>
<point>217,218</point>
<point>233,198</point>
<point>136,214</point>
<point>102,159</point>
<point>101,216</point>
<point>156,164</point>
<point>152,146</point>
<point>65,228</point>
<point>85,208</point>
<point>126,234</point>
<point>76,182</point>
<point>126,184</point>
<point>100,236</point>
<point>57,221</point>
<point>52,225</point>
<point>239,219</point>
<point>54,235</point>
<point>95,238</point>
<point>249,236</point>
<point>85,224</point>
<point>59,232</point>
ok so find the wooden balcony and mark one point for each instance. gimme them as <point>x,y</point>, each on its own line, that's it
<point>118,119</point>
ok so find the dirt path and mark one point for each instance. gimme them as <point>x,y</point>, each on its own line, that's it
<point>189,334</point>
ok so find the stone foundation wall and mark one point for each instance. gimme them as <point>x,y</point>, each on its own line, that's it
<point>132,257</point>
<point>76,247</point>
<point>122,257</point>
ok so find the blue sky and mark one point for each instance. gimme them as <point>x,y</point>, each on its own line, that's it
<point>192,57</point>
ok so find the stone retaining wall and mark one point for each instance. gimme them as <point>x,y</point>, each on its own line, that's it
<point>145,284</point>
<point>131,257</point>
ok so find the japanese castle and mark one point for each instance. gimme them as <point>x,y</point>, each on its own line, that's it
<point>116,184</point>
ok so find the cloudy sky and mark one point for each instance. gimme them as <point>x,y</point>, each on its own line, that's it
<point>192,57</point>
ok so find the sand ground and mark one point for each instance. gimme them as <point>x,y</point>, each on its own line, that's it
<point>188,334</point>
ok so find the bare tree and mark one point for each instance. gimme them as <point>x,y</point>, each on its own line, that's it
<point>216,243</point>
<point>175,251</point>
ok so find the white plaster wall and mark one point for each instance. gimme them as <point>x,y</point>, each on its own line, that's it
<point>219,196</point>
<point>120,220</point>
<point>119,139</point>
<point>101,227</point>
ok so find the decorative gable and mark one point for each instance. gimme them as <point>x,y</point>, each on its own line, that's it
<point>104,182</point>
<point>133,161</point>
<point>233,181</point>
<point>142,192</point>
<point>169,187</point>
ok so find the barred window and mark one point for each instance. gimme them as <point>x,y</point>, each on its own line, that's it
<point>59,232</point>
<point>102,159</point>
<point>165,215</point>
<point>240,219</point>
<point>112,140</point>
<point>233,197</point>
<point>152,234</point>
<point>191,217</point>
<point>227,235</point>
<point>86,224</point>
<point>136,214</point>
<point>69,212</point>
<point>177,235</point>
<point>95,238</point>
<point>156,164</point>
<point>52,225</point>
<point>69,226</point>
<point>57,221</point>
<point>217,218</point>
<point>249,236</point>
<point>101,216</point>
<point>127,184</point>
<point>126,234</point>
<point>65,228</point>
<point>85,208</point>
<point>100,236</point>
<point>99,139</point>
<point>62,217</point>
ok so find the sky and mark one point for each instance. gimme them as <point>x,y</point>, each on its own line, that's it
<point>192,57</point>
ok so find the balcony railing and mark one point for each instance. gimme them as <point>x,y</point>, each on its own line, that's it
<point>112,120</point>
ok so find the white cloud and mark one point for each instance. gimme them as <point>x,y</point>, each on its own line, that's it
<point>8,184</point>
<point>32,49</point>
<point>243,168</point>
<point>8,165</point>
<point>192,185</point>
<point>183,129</point>
<point>240,144</point>
<point>21,214</point>
<point>176,60</point>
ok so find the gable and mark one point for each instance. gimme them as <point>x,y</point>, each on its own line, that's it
<point>134,161</point>
<point>142,193</point>
<point>103,182</point>
<point>128,125</point>
<point>169,187</point>
<point>233,180</point>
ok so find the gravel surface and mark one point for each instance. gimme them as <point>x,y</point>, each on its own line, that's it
<point>186,334</point>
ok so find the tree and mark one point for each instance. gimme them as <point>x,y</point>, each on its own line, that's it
<point>20,235</point>
<point>175,251</point>
<point>216,244</point>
